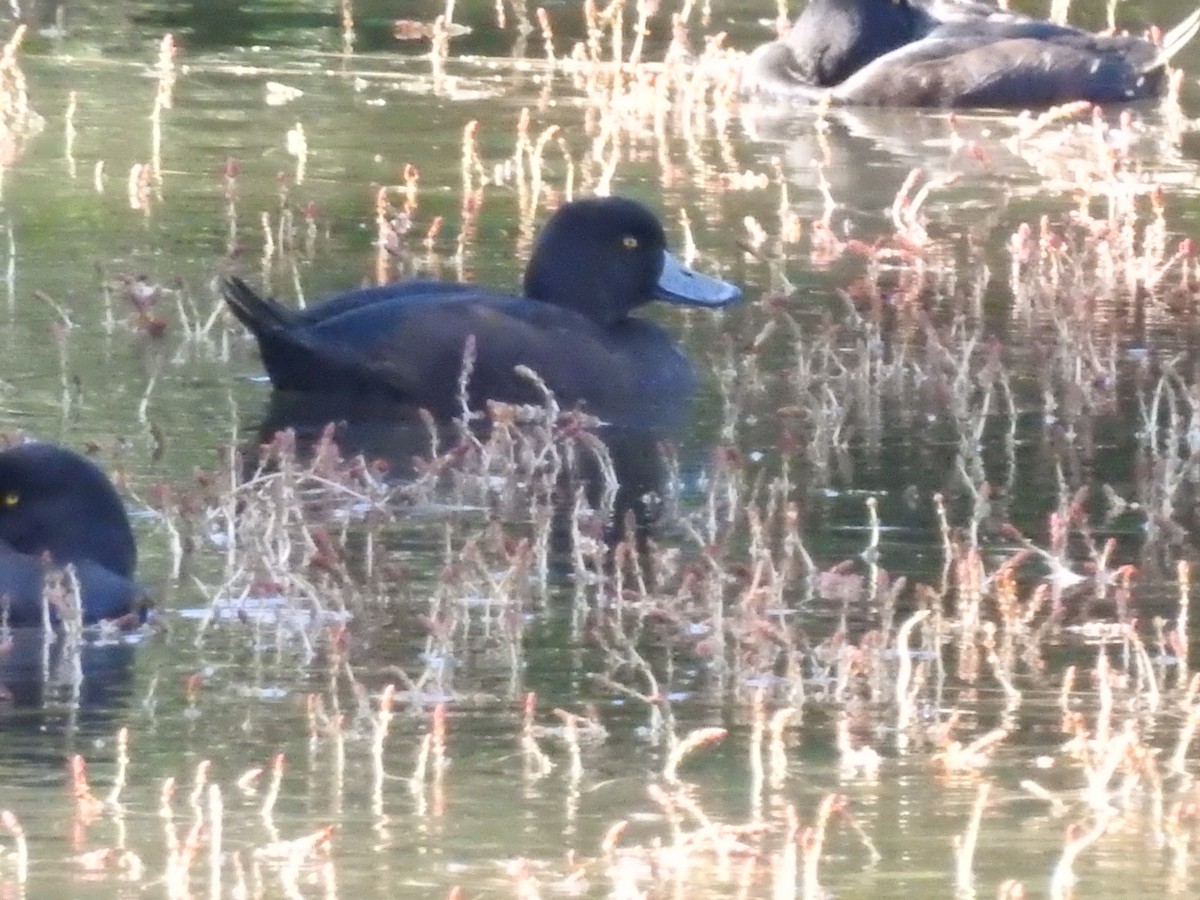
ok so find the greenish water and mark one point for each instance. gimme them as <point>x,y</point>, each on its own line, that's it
<point>160,407</point>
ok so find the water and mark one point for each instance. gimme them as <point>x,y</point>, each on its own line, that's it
<point>432,590</point>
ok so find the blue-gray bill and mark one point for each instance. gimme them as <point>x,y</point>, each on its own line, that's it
<point>679,284</point>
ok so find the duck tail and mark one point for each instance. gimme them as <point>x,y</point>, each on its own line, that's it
<point>261,315</point>
<point>1176,39</point>
<point>289,358</point>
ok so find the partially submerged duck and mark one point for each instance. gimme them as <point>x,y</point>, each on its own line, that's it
<point>946,54</point>
<point>596,261</point>
<point>57,508</point>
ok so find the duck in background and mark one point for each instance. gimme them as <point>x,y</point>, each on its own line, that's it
<point>947,54</point>
<point>595,261</point>
<point>57,508</point>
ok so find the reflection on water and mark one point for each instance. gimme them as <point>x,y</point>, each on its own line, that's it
<point>941,459</point>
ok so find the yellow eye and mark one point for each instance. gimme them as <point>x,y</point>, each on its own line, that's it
<point>630,242</point>
<point>12,498</point>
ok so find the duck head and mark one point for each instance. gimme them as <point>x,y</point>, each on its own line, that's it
<point>55,501</point>
<point>605,256</point>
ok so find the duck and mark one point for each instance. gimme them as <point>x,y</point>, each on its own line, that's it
<point>58,508</point>
<point>596,260</point>
<point>955,54</point>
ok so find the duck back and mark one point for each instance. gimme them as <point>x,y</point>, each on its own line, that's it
<point>407,344</point>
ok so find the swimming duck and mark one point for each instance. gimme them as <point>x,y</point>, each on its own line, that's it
<point>596,260</point>
<point>57,507</point>
<point>947,54</point>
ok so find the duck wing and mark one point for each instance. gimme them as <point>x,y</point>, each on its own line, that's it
<point>1039,65</point>
<point>346,344</point>
<point>411,348</point>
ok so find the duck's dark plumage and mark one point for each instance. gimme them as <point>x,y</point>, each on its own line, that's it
<point>58,507</point>
<point>594,262</point>
<point>943,54</point>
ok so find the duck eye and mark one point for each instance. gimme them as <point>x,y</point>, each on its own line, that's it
<point>12,498</point>
<point>630,242</point>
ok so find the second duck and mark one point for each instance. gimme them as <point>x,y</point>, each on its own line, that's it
<point>955,54</point>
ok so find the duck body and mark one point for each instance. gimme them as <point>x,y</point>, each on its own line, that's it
<point>596,261</point>
<point>944,54</point>
<point>58,508</point>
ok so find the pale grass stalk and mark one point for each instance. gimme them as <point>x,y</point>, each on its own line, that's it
<point>267,810</point>
<point>165,795</point>
<point>812,841</point>
<point>199,782</point>
<point>571,739</point>
<point>535,162</point>
<point>639,35</point>
<point>1077,840</point>
<point>1031,126</point>
<point>216,825</point>
<point>537,763</point>
<point>439,52</point>
<point>671,812</point>
<point>87,806</point>
<point>240,890</point>
<point>871,553</point>
<point>439,744</point>
<point>113,800</point>
<point>1192,692</point>
<point>247,781</point>
<point>611,836</point>
<point>784,867</point>
<point>464,379</point>
<point>297,146</point>
<point>13,826</point>
<point>1105,696</point>
<point>1186,735</point>
<point>339,754</point>
<point>1184,579</point>
<point>910,212</point>
<point>416,781</point>
<point>906,705</point>
<point>1057,806</point>
<point>1148,687</point>
<point>347,27</point>
<point>1004,679</point>
<point>965,844</point>
<point>1099,772</point>
<point>757,730</point>
<point>939,506</point>
<point>777,752</point>
<point>695,739</point>
<point>1064,694</point>
<point>70,132</point>
<point>543,18</point>
<point>382,721</point>
<point>901,199</point>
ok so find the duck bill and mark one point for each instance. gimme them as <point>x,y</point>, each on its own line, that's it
<point>679,284</point>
